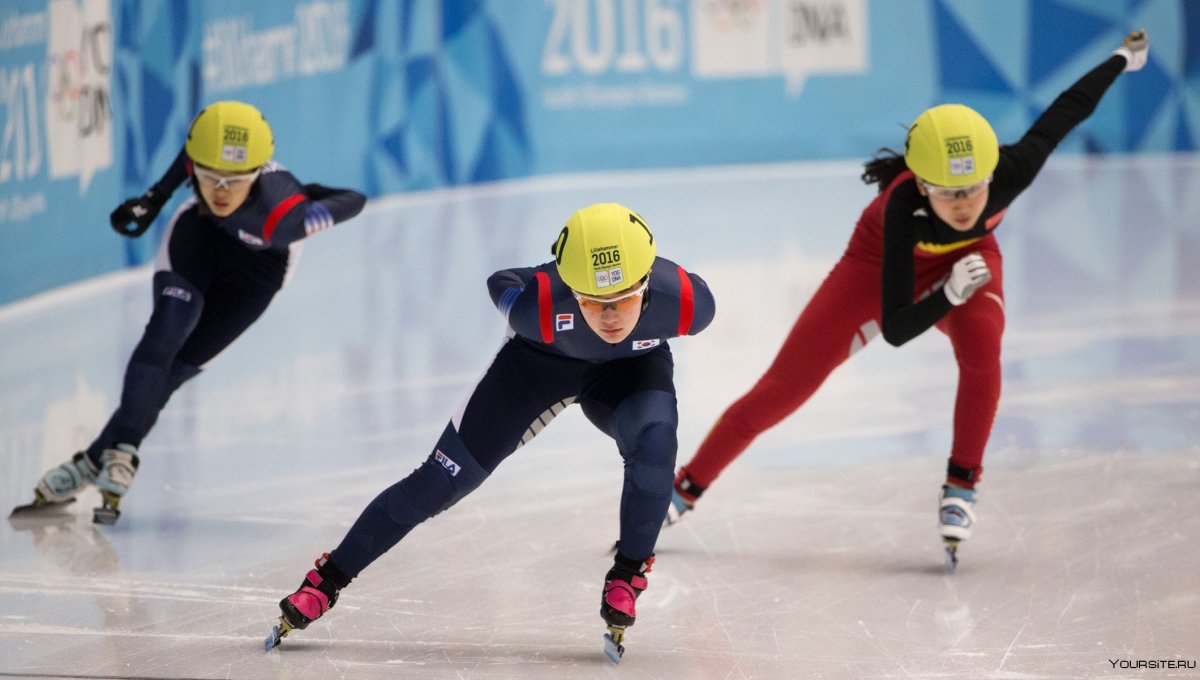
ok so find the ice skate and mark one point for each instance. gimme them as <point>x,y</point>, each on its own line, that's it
<point>316,595</point>
<point>618,604</point>
<point>956,519</point>
<point>683,497</point>
<point>118,466</point>
<point>59,486</point>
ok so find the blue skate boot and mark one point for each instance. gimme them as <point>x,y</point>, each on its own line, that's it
<point>956,519</point>
<point>59,486</point>
<point>684,495</point>
<point>118,465</point>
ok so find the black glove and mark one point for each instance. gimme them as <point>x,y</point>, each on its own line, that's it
<point>140,211</point>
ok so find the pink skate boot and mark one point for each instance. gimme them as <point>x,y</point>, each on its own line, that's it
<point>618,604</point>
<point>316,595</point>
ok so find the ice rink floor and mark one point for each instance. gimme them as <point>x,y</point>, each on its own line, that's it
<point>814,556</point>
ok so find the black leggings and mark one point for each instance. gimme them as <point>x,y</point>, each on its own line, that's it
<point>631,400</point>
<point>209,289</point>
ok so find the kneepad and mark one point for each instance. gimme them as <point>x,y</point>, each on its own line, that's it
<point>650,465</point>
<point>651,415</point>
<point>447,475</point>
<point>645,427</point>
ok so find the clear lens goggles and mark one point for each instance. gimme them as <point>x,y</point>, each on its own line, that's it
<point>228,182</point>
<point>941,193</point>
<point>590,303</point>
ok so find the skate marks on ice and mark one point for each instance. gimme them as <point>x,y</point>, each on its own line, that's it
<point>1070,566</point>
<point>464,611</point>
<point>816,555</point>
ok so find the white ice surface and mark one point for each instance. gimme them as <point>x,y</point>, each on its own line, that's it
<point>814,556</point>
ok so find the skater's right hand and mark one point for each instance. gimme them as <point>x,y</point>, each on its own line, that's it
<point>1136,49</point>
<point>967,276</point>
<point>140,211</point>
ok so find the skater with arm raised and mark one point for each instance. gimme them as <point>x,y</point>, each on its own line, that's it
<point>225,254</point>
<point>590,327</point>
<point>922,255</point>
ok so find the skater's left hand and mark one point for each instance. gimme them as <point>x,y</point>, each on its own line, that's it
<point>1136,50</point>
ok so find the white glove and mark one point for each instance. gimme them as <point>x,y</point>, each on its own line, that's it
<point>1136,49</point>
<point>966,277</point>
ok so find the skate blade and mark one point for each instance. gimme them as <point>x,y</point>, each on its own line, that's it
<point>105,515</point>
<point>41,514</point>
<point>951,554</point>
<point>613,648</point>
<point>41,508</point>
<point>278,633</point>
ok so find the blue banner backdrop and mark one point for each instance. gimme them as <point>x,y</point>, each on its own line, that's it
<point>399,95</point>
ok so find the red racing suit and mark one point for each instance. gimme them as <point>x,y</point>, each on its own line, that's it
<point>890,280</point>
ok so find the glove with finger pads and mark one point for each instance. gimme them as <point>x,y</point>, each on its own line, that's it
<point>967,276</point>
<point>139,211</point>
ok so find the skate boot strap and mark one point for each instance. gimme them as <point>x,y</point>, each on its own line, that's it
<point>955,513</point>
<point>118,467</point>
<point>622,596</point>
<point>618,606</point>
<point>330,572</point>
<point>315,597</point>
<point>951,491</point>
<point>85,465</point>
<point>625,567</point>
<point>634,583</point>
<point>64,481</point>
<point>966,476</point>
<point>327,588</point>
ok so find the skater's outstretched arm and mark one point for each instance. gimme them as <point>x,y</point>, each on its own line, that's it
<point>329,206</point>
<point>281,211</point>
<point>134,216</point>
<point>1022,161</point>
<point>903,316</point>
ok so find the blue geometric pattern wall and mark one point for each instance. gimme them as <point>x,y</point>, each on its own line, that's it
<point>155,93</point>
<point>1029,67</point>
<point>444,102</point>
<point>418,94</point>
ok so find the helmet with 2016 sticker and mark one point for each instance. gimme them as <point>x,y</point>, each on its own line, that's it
<point>230,135</point>
<point>604,248</point>
<point>951,145</point>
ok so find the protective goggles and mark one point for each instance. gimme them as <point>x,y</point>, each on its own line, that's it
<point>228,182</point>
<point>590,303</point>
<point>941,193</point>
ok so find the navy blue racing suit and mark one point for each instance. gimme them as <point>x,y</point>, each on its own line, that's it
<point>213,278</point>
<point>551,359</point>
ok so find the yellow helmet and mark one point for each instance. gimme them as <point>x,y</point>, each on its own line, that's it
<point>952,146</point>
<point>605,248</point>
<point>230,136</point>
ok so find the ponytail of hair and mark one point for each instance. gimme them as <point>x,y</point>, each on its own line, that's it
<point>883,168</point>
